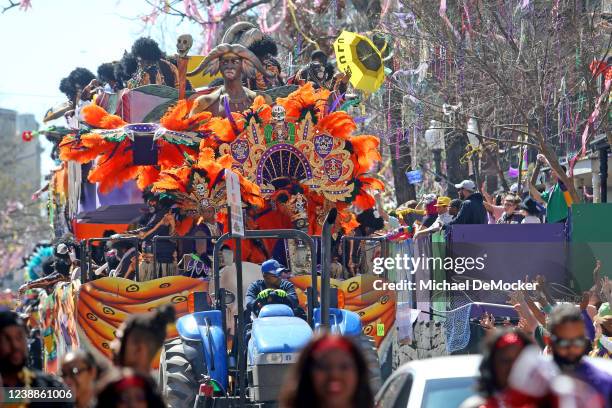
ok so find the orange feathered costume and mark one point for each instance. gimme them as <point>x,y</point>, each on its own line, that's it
<point>113,154</point>
<point>338,124</point>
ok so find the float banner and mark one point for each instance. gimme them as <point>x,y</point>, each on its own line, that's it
<point>591,240</point>
<point>492,260</point>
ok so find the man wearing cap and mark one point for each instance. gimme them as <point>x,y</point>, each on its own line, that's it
<point>444,218</point>
<point>271,289</point>
<point>472,209</point>
<point>557,199</point>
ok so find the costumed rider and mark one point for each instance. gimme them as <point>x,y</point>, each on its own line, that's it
<point>126,253</point>
<point>272,289</point>
<point>264,47</point>
<point>232,60</point>
<point>318,71</point>
<point>152,68</point>
<point>65,268</point>
<point>370,221</point>
<point>108,78</point>
<point>78,86</point>
<point>206,227</point>
<point>160,222</point>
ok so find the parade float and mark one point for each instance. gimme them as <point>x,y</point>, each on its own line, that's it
<point>297,157</point>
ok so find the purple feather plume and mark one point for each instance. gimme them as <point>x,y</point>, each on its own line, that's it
<point>228,114</point>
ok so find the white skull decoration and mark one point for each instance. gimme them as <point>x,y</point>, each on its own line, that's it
<point>278,113</point>
<point>183,44</point>
<point>201,189</point>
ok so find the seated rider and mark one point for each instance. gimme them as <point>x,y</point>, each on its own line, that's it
<point>271,289</point>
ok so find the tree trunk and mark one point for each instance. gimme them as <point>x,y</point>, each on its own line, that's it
<point>493,160</point>
<point>404,191</point>
<point>456,171</point>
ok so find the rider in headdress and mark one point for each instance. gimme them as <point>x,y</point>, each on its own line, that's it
<point>152,68</point>
<point>264,47</point>
<point>232,60</point>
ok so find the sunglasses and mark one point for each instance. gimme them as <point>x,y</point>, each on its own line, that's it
<point>566,343</point>
<point>72,372</point>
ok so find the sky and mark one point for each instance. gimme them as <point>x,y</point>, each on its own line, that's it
<point>42,45</point>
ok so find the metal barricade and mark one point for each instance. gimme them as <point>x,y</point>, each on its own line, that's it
<point>345,239</point>
<point>174,238</point>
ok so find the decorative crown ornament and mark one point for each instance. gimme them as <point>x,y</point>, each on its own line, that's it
<point>268,154</point>
<point>201,196</point>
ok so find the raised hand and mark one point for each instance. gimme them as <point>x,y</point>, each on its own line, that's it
<point>584,301</point>
<point>596,275</point>
<point>513,298</point>
<point>541,281</point>
<point>606,289</point>
<point>597,266</point>
<point>542,159</point>
<point>541,299</point>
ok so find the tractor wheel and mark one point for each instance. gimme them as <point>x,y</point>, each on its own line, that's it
<point>176,377</point>
<point>370,353</point>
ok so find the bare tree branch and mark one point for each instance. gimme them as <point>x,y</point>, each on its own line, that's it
<point>11,5</point>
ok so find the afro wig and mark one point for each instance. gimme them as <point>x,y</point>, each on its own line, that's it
<point>106,72</point>
<point>67,88</point>
<point>146,49</point>
<point>81,77</point>
<point>264,48</point>
<point>126,67</point>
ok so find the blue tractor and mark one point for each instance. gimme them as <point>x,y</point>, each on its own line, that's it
<point>196,369</point>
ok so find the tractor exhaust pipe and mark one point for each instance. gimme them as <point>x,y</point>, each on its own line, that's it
<point>330,220</point>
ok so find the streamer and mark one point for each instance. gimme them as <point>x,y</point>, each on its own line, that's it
<point>263,19</point>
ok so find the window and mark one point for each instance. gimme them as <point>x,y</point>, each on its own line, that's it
<point>396,393</point>
<point>448,392</point>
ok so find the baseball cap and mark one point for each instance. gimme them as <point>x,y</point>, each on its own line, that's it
<point>443,201</point>
<point>514,188</point>
<point>466,185</point>
<point>272,266</point>
<point>429,198</point>
<point>62,249</point>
